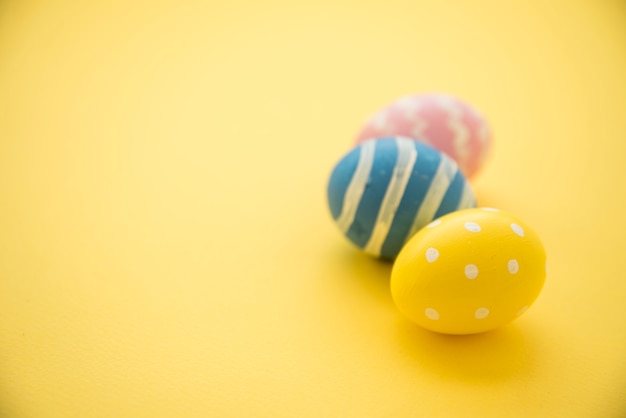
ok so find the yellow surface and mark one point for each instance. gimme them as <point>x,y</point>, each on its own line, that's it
<point>165,246</point>
<point>469,271</point>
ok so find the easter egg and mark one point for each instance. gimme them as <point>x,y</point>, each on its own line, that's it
<point>470,271</point>
<point>383,191</point>
<point>442,121</point>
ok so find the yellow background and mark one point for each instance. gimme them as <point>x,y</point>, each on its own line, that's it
<point>165,245</point>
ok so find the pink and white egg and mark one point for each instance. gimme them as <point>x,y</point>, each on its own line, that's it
<point>439,120</point>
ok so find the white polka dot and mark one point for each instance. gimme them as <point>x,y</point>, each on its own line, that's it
<point>491,209</point>
<point>432,254</point>
<point>472,226</point>
<point>471,271</point>
<point>434,223</point>
<point>521,311</point>
<point>432,314</point>
<point>517,229</point>
<point>481,313</point>
<point>513,266</point>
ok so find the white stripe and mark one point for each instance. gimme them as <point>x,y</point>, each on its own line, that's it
<point>355,189</point>
<point>407,155</point>
<point>467,197</point>
<point>455,123</point>
<point>438,187</point>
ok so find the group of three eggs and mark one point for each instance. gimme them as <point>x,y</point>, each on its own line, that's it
<point>403,193</point>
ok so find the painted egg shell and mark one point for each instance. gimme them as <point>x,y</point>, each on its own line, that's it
<point>384,190</point>
<point>470,271</point>
<point>442,121</point>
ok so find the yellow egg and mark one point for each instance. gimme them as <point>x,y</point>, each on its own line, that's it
<point>470,271</point>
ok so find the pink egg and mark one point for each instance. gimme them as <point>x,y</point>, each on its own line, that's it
<point>439,120</point>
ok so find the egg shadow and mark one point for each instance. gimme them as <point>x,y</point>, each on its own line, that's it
<point>363,272</point>
<point>502,354</point>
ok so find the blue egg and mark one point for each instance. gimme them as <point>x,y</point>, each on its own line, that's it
<point>385,190</point>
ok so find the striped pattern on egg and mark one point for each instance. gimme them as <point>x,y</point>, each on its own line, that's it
<point>385,190</point>
<point>439,120</point>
